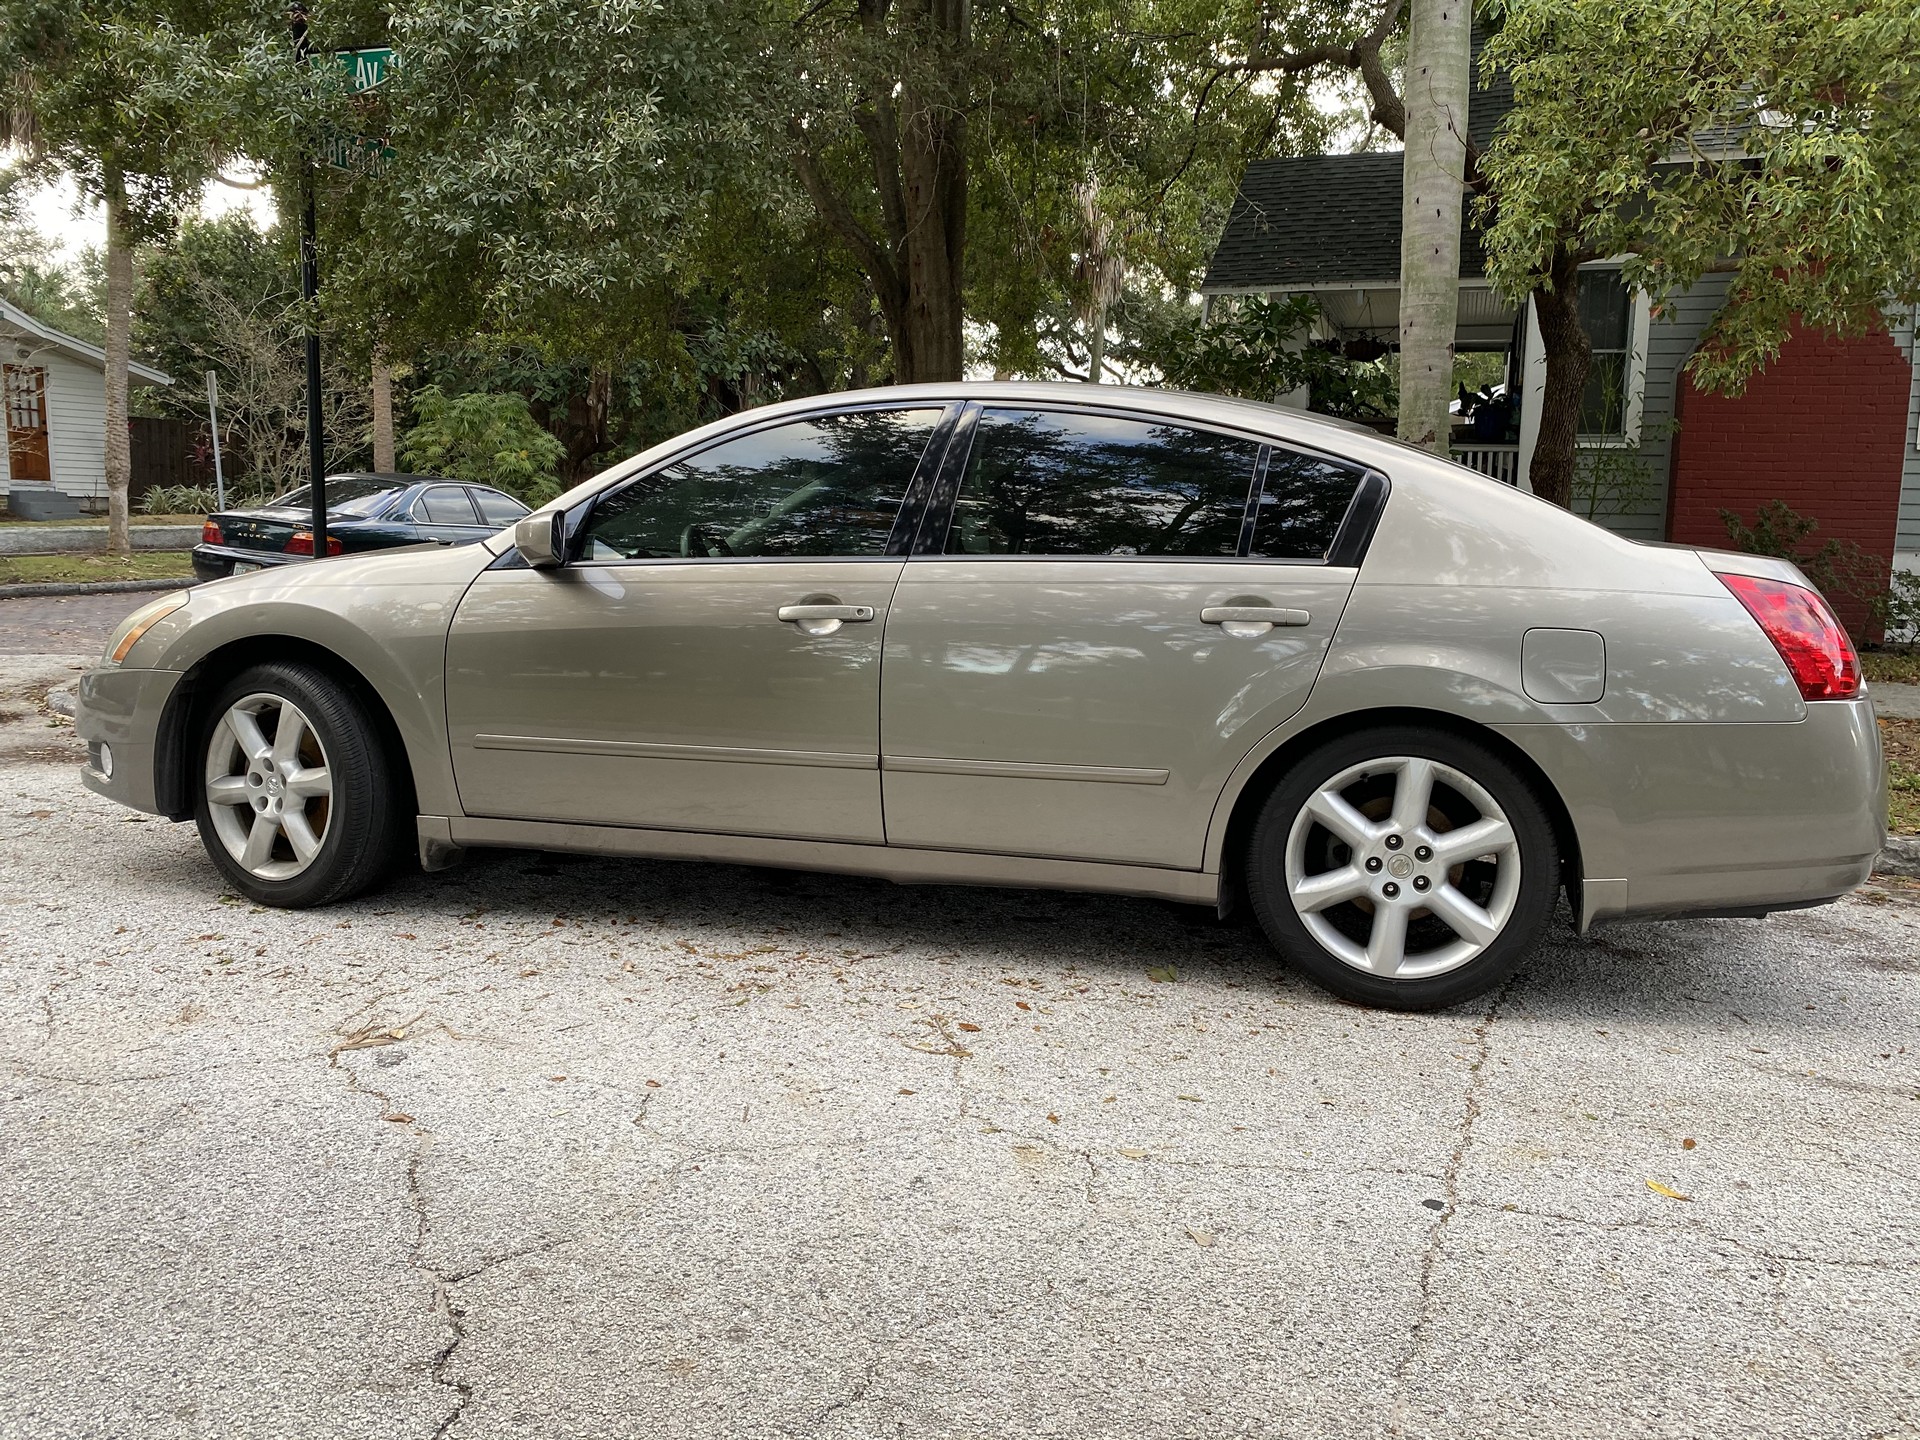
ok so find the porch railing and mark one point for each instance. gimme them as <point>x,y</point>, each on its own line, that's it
<point>1502,462</point>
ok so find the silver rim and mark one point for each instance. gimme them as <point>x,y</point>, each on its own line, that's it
<point>269,787</point>
<point>1403,867</point>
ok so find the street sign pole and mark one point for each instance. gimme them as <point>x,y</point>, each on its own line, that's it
<point>213,423</point>
<point>310,292</point>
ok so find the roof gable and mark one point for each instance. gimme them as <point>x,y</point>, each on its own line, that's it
<point>17,322</point>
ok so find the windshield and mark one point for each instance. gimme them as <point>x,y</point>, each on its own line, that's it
<point>344,497</point>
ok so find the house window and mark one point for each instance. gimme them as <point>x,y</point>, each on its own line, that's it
<point>1606,314</point>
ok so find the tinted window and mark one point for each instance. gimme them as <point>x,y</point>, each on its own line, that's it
<point>831,485</point>
<point>344,497</point>
<point>444,505</point>
<point>497,509</point>
<point>1301,505</point>
<point>1042,482</point>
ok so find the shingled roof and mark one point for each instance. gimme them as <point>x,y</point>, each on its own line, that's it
<point>1301,221</point>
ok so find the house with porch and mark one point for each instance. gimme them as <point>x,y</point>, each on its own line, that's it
<point>54,390</point>
<point>1832,427</point>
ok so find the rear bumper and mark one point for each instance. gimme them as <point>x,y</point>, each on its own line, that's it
<point>1698,819</point>
<point>216,562</point>
<point>121,708</point>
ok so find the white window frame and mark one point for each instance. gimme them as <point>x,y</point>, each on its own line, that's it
<point>1639,322</point>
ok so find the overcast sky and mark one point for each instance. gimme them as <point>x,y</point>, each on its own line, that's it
<point>51,209</point>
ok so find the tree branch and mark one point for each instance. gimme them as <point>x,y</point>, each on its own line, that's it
<point>875,258</point>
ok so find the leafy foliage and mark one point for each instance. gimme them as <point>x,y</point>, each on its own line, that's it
<point>1772,142</point>
<point>1837,568</point>
<point>490,439</point>
<point>1260,350</point>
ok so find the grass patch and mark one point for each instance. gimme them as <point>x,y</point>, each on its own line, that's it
<point>1891,667</point>
<point>79,569</point>
<point>1900,740</point>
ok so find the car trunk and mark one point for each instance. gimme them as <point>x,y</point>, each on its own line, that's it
<point>261,529</point>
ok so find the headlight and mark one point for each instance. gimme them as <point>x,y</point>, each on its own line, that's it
<point>138,623</point>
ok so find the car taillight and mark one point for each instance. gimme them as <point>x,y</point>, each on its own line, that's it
<point>210,534</point>
<point>1805,633</point>
<point>301,543</point>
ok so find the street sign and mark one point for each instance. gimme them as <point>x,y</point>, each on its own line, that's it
<point>368,69</point>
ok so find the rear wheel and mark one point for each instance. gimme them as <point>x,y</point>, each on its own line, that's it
<point>1405,868</point>
<point>295,804</point>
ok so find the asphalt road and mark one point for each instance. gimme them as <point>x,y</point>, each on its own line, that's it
<point>570,1147</point>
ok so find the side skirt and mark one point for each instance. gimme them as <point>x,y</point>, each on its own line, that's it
<point>441,838</point>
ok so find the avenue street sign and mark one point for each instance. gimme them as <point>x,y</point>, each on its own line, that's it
<point>367,68</point>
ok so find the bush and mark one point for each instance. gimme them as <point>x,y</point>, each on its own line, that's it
<point>1899,609</point>
<point>178,500</point>
<point>1836,567</point>
<point>487,439</point>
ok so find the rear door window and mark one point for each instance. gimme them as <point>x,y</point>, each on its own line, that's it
<point>446,505</point>
<point>1052,482</point>
<point>1302,502</point>
<point>497,509</point>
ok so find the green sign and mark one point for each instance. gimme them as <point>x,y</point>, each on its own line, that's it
<point>367,68</point>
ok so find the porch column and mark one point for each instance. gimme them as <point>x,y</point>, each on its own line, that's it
<point>1533,394</point>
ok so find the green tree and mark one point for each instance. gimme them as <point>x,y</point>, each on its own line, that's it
<point>1774,143</point>
<point>130,101</point>
<point>488,439</point>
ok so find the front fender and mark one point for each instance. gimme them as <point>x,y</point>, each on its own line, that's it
<point>386,616</point>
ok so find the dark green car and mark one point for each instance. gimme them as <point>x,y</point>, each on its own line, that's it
<point>364,512</point>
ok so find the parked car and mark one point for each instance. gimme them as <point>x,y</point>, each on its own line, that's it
<point>364,512</point>
<point>1037,635</point>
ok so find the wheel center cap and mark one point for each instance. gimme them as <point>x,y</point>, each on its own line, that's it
<point>273,788</point>
<point>1400,867</point>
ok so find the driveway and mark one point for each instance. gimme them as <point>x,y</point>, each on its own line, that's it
<point>572,1147</point>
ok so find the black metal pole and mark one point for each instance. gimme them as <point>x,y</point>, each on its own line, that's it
<point>310,292</point>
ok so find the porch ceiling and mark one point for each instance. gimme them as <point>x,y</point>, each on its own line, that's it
<point>1482,321</point>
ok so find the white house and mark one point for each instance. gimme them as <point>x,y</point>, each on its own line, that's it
<point>54,391</point>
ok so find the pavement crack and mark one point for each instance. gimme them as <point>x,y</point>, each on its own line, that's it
<point>1450,1195</point>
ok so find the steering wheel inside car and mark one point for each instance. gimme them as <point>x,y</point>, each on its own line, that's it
<point>693,541</point>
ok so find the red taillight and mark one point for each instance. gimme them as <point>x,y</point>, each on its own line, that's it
<point>1805,633</point>
<point>210,534</point>
<point>301,543</point>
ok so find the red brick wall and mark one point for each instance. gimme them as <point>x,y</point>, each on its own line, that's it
<point>1822,428</point>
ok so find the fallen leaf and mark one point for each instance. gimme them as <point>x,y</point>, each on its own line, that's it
<point>653,1084</point>
<point>399,1117</point>
<point>1021,1005</point>
<point>1194,1098</point>
<point>1202,1238</point>
<point>556,1078</point>
<point>1053,1119</point>
<point>1129,1153</point>
<point>1659,1189</point>
<point>1688,1143</point>
<point>398,1033</point>
<point>968,1025</point>
<point>904,1091</point>
<point>40,814</point>
<point>1163,975</point>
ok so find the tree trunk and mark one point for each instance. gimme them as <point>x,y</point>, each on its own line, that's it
<point>1096,344</point>
<point>915,135</point>
<point>1568,354</point>
<point>1433,189</point>
<point>119,457</point>
<point>383,451</point>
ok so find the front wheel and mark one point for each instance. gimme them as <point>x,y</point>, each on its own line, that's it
<point>1405,868</point>
<point>295,803</point>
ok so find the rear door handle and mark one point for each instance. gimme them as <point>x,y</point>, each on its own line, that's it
<point>1239,615</point>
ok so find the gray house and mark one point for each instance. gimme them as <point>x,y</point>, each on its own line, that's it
<point>1832,427</point>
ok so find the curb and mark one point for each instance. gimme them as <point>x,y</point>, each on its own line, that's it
<point>91,587</point>
<point>1900,857</point>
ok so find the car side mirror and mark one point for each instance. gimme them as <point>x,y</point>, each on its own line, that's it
<point>542,539</point>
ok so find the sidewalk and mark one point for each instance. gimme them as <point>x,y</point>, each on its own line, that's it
<point>90,539</point>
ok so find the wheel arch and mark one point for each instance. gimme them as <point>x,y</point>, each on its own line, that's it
<point>1234,816</point>
<point>186,710</point>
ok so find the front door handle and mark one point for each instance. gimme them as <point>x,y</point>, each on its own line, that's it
<point>823,619</point>
<point>1251,619</point>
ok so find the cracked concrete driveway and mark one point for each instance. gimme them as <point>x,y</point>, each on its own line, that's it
<point>568,1147</point>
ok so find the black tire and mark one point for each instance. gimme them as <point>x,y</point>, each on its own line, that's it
<point>1532,903</point>
<point>364,826</point>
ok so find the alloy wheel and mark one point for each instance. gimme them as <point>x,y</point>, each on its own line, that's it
<point>1403,867</point>
<point>269,787</point>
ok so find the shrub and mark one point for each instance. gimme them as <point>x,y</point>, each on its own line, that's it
<point>178,500</point>
<point>1837,568</point>
<point>487,439</point>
